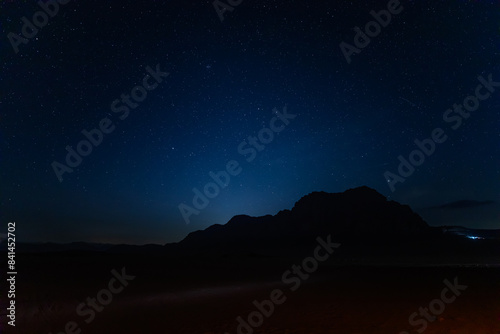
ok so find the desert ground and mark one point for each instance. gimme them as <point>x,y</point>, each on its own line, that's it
<point>208,294</point>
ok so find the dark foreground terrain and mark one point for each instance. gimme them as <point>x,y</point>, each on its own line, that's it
<point>384,271</point>
<point>207,294</point>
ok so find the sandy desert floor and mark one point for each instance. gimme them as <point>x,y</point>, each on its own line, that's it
<point>208,297</point>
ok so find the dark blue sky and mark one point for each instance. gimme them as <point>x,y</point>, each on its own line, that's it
<point>225,79</point>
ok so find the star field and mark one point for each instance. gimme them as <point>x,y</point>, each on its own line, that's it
<point>225,79</point>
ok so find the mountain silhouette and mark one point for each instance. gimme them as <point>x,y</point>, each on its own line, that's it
<point>359,214</point>
<point>361,219</point>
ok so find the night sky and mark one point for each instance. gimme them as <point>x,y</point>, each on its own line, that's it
<point>214,85</point>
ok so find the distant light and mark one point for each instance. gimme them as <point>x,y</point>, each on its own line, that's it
<point>473,237</point>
